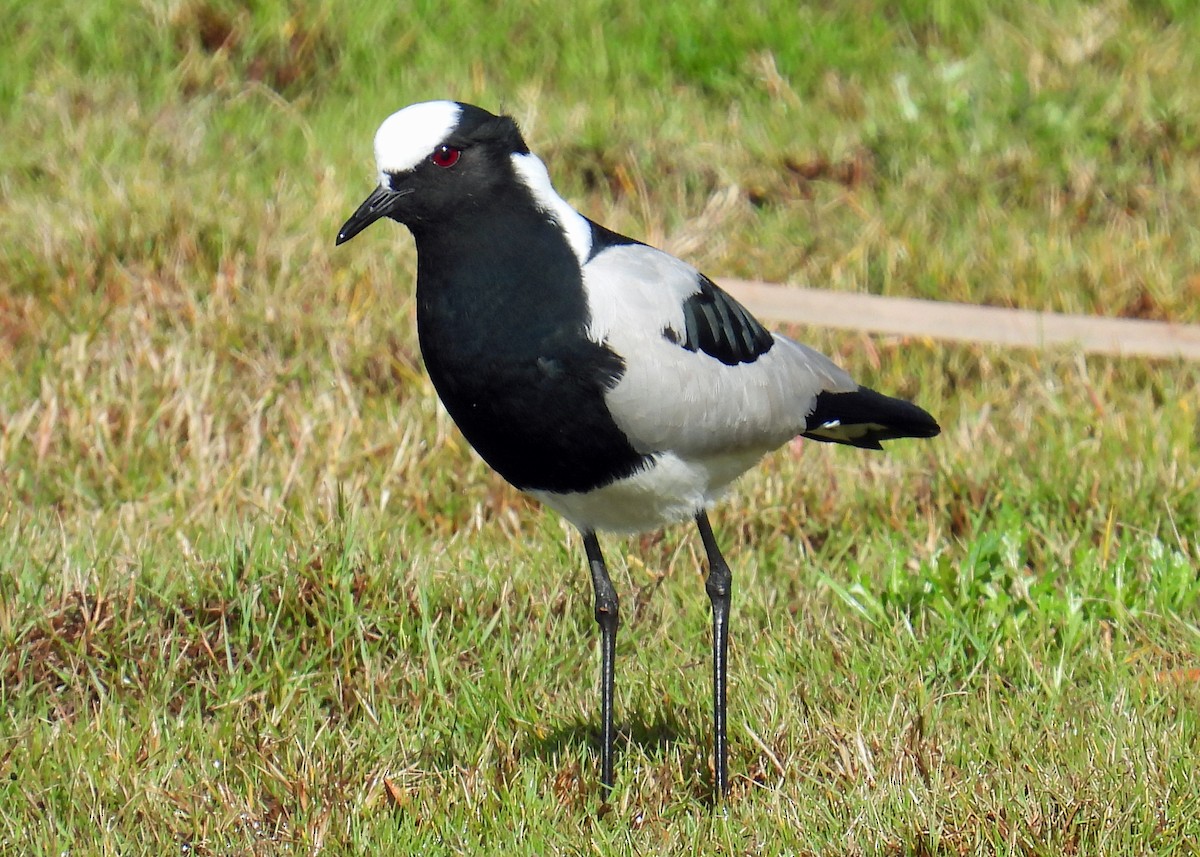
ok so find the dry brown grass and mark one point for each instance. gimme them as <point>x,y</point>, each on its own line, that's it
<point>258,597</point>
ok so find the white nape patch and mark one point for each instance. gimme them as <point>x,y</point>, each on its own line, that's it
<point>409,136</point>
<point>532,173</point>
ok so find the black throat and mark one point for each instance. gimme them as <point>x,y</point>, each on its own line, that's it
<point>502,317</point>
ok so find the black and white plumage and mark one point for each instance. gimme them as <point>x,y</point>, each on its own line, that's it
<point>608,379</point>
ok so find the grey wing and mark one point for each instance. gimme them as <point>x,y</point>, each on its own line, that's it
<point>701,374</point>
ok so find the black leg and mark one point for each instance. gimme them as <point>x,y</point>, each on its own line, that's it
<point>607,608</point>
<point>718,584</point>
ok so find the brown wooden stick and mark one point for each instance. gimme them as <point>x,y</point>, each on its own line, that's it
<point>967,322</point>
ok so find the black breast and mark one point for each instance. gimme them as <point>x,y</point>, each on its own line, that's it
<point>502,315</point>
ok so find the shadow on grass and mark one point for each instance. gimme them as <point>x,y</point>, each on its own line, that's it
<point>653,733</point>
<point>657,737</point>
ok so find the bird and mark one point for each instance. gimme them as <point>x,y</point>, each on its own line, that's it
<point>611,381</point>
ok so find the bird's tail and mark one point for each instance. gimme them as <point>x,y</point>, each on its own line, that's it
<point>865,419</point>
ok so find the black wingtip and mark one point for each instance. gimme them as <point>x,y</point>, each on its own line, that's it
<point>865,418</point>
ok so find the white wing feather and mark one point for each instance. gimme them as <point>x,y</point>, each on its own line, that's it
<point>688,402</point>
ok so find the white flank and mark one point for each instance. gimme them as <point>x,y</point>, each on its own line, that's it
<point>409,136</point>
<point>532,172</point>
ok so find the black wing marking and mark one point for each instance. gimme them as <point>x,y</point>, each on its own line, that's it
<point>720,327</point>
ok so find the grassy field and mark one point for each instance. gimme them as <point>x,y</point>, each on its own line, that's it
<point>258,597</point>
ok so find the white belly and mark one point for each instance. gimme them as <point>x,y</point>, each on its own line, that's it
<point>669,490</point>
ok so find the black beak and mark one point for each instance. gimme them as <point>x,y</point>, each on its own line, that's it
<point>379,204</point>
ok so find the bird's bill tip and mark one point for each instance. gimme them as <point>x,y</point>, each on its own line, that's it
<point>378,204</point>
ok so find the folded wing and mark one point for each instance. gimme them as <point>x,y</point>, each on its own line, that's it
<point>703,376</point>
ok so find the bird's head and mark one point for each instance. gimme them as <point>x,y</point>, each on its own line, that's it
<point>436,158</point>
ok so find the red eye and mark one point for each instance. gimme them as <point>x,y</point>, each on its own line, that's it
<point>445,156</point>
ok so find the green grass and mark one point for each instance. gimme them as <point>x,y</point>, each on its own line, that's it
<point>258,597</point>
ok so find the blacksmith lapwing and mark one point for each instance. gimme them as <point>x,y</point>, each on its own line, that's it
<point>608,379</point>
